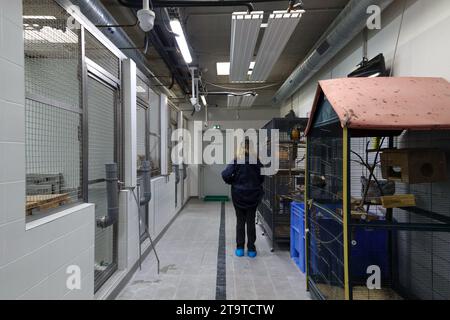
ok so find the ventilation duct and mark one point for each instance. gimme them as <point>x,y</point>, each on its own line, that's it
<point>347,25</point>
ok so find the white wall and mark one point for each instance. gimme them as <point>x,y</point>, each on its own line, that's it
<point>193,169</point>
<point>423,48</point>
<point>33,256</point>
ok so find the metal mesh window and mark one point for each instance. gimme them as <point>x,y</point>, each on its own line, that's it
<point>141,114</point>
<point>149,99</point>
<point>155,134</point>
<point>172,127</point>
<point>98,53</point>
<point>143,98</point>
<point>52,109</point>
<point>101,119</point>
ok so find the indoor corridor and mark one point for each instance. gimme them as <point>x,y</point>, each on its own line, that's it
<point>192,265</point>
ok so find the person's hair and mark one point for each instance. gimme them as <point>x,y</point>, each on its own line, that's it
<point>246,149</point>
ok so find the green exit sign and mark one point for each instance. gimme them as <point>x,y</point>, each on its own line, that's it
<point>216,127</point>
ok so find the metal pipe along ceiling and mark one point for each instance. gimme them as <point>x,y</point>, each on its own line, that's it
<point>347,25</point>
<point>194,3</point>
<point>98,15</point>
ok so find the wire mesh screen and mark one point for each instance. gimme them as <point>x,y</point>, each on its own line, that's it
<point>101,128</point>
<point>325,167</point>
<point>143,97</point>
<point>423,264</point>
<point>52,108</point>
<point>325,185</point>
<point>101,111</point>
<point>275,205</point>
<point>155,134</point>
<point>326,261</point>
<point>408,189</point>
<point>141,132</point>
<point>98,53</point>
<point>142,90</point>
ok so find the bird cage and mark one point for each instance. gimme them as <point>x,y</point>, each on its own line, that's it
<point>274,209</point>
<point>377,186</point>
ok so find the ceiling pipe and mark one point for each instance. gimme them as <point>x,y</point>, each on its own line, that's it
<point>98,15</point>
<point>344,28</point>
<point>193,3</point>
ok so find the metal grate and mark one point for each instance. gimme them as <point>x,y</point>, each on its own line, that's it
<point>98,53</point>
<point>52,109</point>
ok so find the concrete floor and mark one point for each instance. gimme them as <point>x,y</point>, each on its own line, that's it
<point>188,255</point>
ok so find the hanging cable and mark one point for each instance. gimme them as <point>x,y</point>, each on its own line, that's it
<point>398,38</point>
<point>241,89</point>
<point>146,43</point>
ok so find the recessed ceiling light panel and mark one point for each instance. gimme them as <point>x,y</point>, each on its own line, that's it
<point>223,68</point>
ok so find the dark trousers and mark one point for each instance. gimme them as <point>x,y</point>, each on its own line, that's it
<point>245,217</point>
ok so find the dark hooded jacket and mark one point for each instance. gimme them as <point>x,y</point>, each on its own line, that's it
<point>246,183</point>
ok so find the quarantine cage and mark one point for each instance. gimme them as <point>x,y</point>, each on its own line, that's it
<point>274,210</point>
<point>377,205</point>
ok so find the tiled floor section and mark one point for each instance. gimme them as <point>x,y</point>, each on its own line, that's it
<point>188,254</point>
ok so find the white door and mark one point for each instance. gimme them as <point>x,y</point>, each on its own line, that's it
<point>212,183</point>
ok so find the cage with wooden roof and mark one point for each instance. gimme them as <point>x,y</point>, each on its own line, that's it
<point>377,204</point>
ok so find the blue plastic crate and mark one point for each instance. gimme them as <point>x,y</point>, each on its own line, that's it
<point>298,235</point>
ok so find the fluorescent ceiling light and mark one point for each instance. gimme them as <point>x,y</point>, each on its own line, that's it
<point>241,101</point>
<point>223,68</point>
<point>280,27</point>
<point>39,17</point>
<point>247,101</point>
<point>203,100</point>
<point>244,34</point>
<point>233,101</point>
<point>181,40</point>
<point>252,65</point>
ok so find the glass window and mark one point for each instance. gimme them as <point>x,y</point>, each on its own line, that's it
<point>52,109</point>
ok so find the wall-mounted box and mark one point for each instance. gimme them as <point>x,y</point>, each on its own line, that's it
<point>414,165</point>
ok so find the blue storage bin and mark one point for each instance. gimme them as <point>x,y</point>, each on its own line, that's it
<point>298,234</point>
<point>370,247</point>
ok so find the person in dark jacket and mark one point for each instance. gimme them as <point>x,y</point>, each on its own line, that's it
<point>246,191</point>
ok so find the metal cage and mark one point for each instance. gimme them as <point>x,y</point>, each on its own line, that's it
<point>377,208</point>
